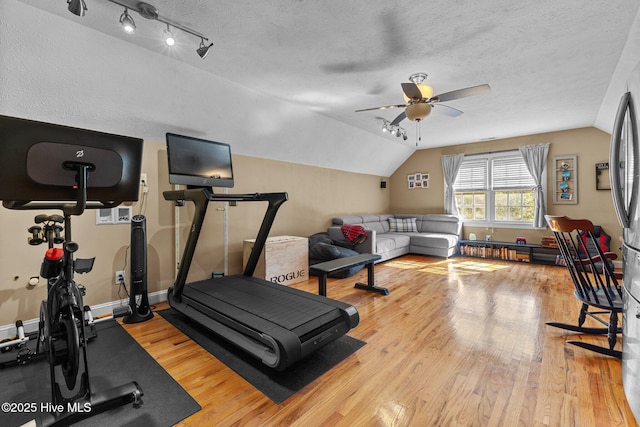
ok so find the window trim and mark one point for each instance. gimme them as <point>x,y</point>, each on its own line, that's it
<point>490,193</point>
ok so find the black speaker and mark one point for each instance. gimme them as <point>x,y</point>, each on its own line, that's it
<point>138,298</point>
<point>383,184</point>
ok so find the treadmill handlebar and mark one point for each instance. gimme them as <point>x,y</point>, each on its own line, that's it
<point>193,194</point>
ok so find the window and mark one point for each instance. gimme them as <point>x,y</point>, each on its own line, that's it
<point>495,189</point>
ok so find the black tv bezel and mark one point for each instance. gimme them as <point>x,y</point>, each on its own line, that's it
<point>192,180</point>
<point>19,135</point>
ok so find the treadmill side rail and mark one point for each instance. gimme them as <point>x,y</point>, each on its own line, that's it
<point>201,198</point>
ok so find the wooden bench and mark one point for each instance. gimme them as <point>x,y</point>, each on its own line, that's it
<point>323,269</point>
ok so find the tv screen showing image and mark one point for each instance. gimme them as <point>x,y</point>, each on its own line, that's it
<point>39,162</point>
<point>198,162</point>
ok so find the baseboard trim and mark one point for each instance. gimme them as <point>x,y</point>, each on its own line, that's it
<point>31,325</point>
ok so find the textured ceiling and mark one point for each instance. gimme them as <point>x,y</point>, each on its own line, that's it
<point>551,65</point>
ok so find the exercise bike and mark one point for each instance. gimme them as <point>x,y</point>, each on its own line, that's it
<point>62,331</point>
<point>45,166</point>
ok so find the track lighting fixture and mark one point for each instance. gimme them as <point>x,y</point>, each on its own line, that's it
<point>127,22</point>
<point>148,11</point>
<point>395,130</point>
<point>77,7</point>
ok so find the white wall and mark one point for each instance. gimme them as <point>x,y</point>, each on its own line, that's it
<point>54,69</point>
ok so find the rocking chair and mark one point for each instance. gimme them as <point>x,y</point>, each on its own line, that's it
<point>596,286</point>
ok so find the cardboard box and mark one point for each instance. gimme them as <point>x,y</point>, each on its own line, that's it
<point>284,259</point>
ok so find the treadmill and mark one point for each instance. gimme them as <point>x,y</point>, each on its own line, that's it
<point>276,324</point>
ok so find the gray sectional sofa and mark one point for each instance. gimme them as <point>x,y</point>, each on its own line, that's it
<point>392,235</point>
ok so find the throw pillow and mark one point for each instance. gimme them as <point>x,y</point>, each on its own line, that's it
<point>403,225</point>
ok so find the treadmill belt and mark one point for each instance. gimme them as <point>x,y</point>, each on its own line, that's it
<point>275,303</point>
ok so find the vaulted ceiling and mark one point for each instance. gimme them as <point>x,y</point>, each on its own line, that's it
<point>284,77</point>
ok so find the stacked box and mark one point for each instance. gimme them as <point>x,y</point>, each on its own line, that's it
<point>284,259</point>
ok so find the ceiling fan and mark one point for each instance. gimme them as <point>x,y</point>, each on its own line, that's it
<point>420,100</point>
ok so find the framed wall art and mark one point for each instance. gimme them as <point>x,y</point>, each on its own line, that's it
<point>565,180</point>
<point>418,180</point>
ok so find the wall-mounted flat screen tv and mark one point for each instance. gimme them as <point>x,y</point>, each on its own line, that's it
<point>198,162</point>
<point>37,162</point>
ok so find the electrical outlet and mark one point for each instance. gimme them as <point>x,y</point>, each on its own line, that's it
<point>144,184</point>
<point>119,277</point>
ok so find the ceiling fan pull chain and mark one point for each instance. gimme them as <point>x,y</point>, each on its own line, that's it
<point>418,134</point>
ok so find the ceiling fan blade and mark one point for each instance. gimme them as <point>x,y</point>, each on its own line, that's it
<point>462,93</point>
<point>449,111</point>
<point>382,108</point>
<point>398,119</point>
<point>411,90</point>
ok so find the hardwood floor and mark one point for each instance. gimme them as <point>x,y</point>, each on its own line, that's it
<point>458,342</point>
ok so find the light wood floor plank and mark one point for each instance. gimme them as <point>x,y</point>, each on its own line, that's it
<point>458,342</point>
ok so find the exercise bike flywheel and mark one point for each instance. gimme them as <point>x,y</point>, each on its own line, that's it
<point>61,342</point>
<point>70,363</point>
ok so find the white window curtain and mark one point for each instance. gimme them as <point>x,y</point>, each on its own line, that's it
<point>535,157</point>
<point>450,167</point>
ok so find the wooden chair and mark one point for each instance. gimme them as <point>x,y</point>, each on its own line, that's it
<point>596,285</point>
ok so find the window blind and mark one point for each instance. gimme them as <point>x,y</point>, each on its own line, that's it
<point>510,172</point>
<point>473,175</point>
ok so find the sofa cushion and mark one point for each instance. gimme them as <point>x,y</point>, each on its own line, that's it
<point>402,225</point>
<point>448,224</point>
<point>388,241</point>
<point>434,240</point>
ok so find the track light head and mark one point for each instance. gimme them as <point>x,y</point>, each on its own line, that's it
<point>127,22</point>
<point>168,37</point>
<point>77,7</point>
<point>203,50</point>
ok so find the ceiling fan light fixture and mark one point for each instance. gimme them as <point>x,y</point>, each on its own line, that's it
<point>425,90</point>
<point>418,111</point>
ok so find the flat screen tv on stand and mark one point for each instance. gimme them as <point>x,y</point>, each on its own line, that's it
<point>198,162</point>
